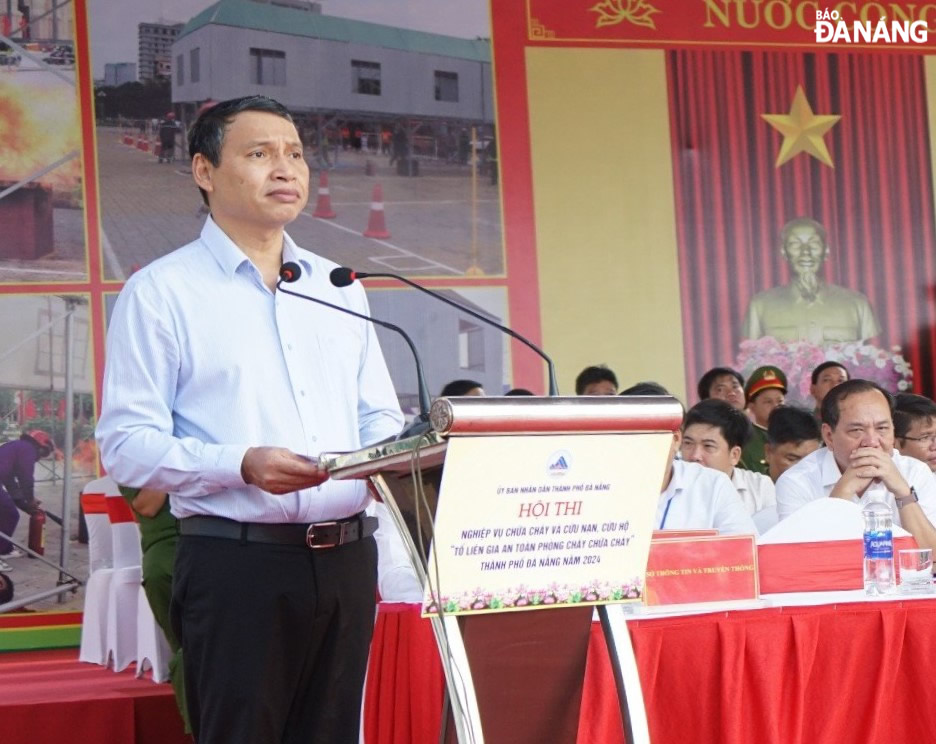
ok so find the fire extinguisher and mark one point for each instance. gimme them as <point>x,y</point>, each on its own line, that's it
<point>37,520</point>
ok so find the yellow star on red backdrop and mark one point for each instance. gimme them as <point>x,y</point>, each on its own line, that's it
<point>802,130</point>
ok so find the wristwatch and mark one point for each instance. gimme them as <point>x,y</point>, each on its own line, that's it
<point>911,499</point>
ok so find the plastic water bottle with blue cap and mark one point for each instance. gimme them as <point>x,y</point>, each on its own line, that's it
<point>878,547</point>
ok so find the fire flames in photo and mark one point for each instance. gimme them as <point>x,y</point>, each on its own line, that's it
<point>38,126</point>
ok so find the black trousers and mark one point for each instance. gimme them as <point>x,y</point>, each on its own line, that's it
<point>275,639</point>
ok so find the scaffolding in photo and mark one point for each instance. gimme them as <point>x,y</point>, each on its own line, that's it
<point>40,353</point>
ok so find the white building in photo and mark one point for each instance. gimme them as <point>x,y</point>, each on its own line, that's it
<point>315,63</point>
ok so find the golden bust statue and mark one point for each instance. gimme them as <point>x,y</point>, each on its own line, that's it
<point>808,309</point>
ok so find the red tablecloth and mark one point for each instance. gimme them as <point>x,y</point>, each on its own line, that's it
<point>405,686</point>
<point>852,673</point>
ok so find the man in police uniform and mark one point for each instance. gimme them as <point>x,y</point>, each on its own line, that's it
<point>765,390</point>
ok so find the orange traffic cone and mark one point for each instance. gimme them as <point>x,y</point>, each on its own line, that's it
<point>376,224</point>
<point>323,207</point>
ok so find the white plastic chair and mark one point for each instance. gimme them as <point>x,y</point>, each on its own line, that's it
<point>152,649</point>
<point>100,559</point>
<point>126,581</point>
<point>94,506</point>
<point>118,622</point>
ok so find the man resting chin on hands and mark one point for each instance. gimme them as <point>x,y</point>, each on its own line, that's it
<point>859,460</point>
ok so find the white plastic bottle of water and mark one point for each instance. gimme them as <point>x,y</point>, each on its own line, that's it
<point>878,547</point>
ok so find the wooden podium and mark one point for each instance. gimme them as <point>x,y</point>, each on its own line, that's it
<point>513,506</point>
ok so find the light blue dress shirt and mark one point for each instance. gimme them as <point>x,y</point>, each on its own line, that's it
<point>204,361</point>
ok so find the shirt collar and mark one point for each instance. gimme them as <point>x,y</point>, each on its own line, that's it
<point>230,258</point>
<point>291,253</point>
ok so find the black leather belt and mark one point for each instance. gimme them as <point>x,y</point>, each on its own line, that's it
<point>315,536</point>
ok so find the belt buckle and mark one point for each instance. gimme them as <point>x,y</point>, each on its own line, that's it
<point>310,536</point>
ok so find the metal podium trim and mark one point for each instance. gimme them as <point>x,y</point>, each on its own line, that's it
<point>396,457</point>
<point>626,678</point>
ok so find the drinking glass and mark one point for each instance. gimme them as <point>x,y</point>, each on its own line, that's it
<point>916,571</point>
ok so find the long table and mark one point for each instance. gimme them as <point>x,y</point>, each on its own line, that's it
<point>857,672</point>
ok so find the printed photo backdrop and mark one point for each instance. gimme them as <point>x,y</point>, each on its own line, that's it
<point>399,126</point>
<point>399,134</point>
<point>395,109</point>
<point>42,208</point>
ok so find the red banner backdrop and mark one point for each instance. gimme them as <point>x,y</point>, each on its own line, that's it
<point>732,198</point>
<point>761,23</point>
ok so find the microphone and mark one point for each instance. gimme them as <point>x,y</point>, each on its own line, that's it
<point>343,277</point>
<point>291,271</point>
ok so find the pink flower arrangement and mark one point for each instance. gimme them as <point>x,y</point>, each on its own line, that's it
<point>797,359</point>
<point>554,594</point>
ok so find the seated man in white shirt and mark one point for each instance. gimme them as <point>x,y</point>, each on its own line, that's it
<point>694,497</point>
<point>859,459</point>
<point>714,434</point>
<point>915,427</point>
<point>699,498</point>
<point>792,434</point>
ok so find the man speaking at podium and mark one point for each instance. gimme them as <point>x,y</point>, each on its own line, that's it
<point>220,390</point>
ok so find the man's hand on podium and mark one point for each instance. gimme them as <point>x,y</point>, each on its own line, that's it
<point>278,470</point>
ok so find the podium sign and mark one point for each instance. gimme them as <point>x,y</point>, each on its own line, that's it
<point>544,521</point>
<point>549,503</point>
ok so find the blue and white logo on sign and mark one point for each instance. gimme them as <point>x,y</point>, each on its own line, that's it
<point>559,462</point>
